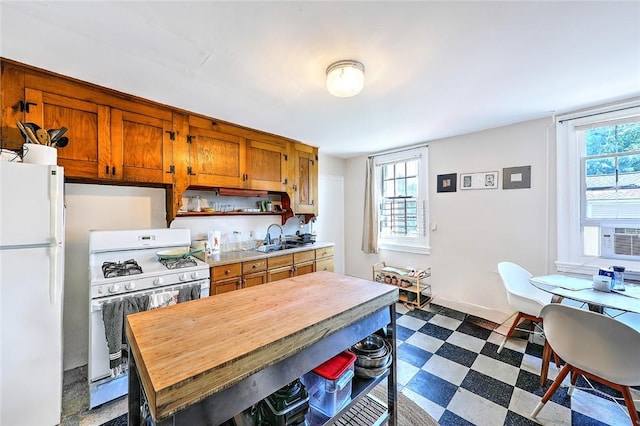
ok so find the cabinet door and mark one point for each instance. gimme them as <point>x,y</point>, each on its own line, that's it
<point>325,264</point>
<point>216,159</point>
<point>12,106</point>
<point>226,286</point>
<point>280,273</point>
<point>251,280</point>
<point>304,268</point>
<point>305,185</point>
<point>267,165</point>
<point>141,147</point>
<point>89,151</point>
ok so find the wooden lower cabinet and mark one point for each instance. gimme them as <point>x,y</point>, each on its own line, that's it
<point>251,280</point>
<point>325,264</point>
<point>324,259</point>
<point>303,262</point>
<point>304,268</point>
<point>226,278</point>
<point>254,272</point>
<point>251,273</point>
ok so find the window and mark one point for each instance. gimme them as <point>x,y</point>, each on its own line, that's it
<point>599,189</point>
<point>401,197</point>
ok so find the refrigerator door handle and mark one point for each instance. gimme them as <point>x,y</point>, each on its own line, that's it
<point>53,272</point>
<point>54,199</point>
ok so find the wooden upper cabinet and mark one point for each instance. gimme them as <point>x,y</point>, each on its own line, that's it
<point>216,158</point>
<point>267,165</point>
<point>305,180</point>
<point>141,147</point>
<point>12,106</point>
<point>88,130</point>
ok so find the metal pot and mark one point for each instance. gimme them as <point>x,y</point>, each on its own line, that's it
<point>371,346</point>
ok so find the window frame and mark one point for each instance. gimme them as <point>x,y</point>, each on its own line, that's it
<point>420,243</point>
<point>571,191</point>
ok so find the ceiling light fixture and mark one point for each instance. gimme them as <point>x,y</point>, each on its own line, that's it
<point>345,78</point>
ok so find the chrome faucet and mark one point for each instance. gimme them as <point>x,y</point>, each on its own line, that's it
<point>267,238</point>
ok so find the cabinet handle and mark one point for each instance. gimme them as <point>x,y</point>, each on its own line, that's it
<point>295,187</point>
<point>113,170</point>
<point>106,169</point>
<point>228,271</point>
<point>24,106</point>
<point>254,266</point>
<point>172,135</point>
<point>286,181</point>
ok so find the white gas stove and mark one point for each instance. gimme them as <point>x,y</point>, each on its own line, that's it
<point>124,265</point>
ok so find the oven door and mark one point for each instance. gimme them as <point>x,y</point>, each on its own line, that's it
<point>98,349</point>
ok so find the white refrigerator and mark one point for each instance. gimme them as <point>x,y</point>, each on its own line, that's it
<point>31,291</point>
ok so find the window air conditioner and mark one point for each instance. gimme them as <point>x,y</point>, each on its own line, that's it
<point>620,242</point>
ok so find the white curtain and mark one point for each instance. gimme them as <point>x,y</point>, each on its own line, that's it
<point>370,220</point>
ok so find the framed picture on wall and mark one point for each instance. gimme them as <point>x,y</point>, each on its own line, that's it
<point>447,183</point>
<point>516,177</point>
<point>482,180</point>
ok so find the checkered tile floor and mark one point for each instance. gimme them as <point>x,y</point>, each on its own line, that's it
<point>447,364</point>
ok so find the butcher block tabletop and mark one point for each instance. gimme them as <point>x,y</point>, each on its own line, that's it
<point>189,351</point>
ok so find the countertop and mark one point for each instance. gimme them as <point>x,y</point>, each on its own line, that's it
<point>226,258</point>
<point>189,351</point>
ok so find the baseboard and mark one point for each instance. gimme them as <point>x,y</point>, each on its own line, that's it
<point>471,309</point>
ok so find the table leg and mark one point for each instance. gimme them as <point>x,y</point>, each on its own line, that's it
<point>134,393</point>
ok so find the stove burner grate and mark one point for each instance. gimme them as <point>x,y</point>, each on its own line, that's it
<point>179,262</point>
<point>119,269</point>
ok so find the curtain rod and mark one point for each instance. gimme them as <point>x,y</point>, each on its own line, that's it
<point>409,148</point>
<point>597,113</point>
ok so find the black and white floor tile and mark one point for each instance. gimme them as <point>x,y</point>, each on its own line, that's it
<point>448,364</point>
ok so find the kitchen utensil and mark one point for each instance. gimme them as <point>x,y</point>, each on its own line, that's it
<point>61,143</point>
<point>176,253</point>
<point>56,134</point>
<point>32,136</point>
<point>25,133</point>
<point>43,137</point>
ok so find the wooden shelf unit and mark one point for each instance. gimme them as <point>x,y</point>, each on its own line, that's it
<point>419,288</point>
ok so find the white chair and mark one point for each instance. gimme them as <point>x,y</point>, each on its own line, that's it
<point>595,346</point>
<point>522,296</point>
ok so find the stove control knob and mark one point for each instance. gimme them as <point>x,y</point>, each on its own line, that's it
<point>182,277</point>
<point>158,281</point>
<point>195,275</point>
<point>114,288</point>
<point>130,285</point>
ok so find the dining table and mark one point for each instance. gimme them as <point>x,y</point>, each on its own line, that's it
<point>581,290</point>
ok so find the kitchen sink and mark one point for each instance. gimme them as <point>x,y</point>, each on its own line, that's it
<point>273,247</point>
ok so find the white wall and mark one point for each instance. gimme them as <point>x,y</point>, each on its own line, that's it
<point>97,207</point>
<point>330,223</point>
<point>476,229</point>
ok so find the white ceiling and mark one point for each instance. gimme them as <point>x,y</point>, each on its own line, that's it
<point>433,69</point>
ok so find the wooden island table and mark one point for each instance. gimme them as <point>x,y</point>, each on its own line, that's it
<point>202,362</point>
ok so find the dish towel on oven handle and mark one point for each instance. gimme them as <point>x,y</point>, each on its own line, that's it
<point>186,294</point>
<point>159,300</point>
<point>113,315</point>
